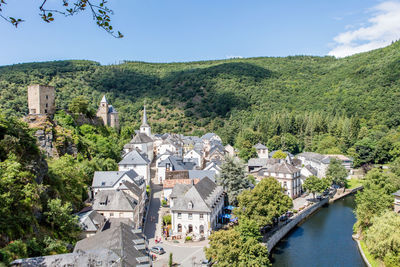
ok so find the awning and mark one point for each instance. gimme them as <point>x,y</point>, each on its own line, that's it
<point>230,207</point>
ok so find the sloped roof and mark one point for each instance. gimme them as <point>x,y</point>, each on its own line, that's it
<point>103,257</point>
<point>315,157</point>
<point>90,220</point>
<point>177,163</point>
<point>170,183</point>
<point>111,109</point>
<point>208,136</point>
<point>311,169</point>
<point>202,174</point>
<point>260,146</point>
<point>134,158</point>
<point>123,240</point>
<point>103,99</point>
<point>110,178</point>
<point>283,167</point>
<point>260,162</point>
<point>115,200</point>
<point>202,195</point>
<point>179,189</point>
<point>141,138</point>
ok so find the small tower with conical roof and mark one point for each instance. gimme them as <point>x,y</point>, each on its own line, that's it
<point>145,127</point>
<point>108,113</point>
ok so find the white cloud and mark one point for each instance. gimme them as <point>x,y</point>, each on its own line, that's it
<point>382,28</point>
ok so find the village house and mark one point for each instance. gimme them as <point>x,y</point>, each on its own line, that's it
<point>195,208</point>
<point>107,180</point>
<point>127,243</point>
<point>172,163</point>
<point>214,166</point>
<point>90,221</point>
<point>230,150</point>
<point>317,161</point>
<point>138,162</point>
<point>195,156</point>
<point>287,175</point>
<point>118,204</point>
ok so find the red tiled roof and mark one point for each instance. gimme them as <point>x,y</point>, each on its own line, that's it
<point>170,183</point>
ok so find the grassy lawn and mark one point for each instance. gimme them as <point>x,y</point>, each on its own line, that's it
<point>353,183</point>
<point>370,258</point>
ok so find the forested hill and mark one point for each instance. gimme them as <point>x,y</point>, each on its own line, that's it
<point>227,95</point>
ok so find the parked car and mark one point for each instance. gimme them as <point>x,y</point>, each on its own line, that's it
<point>289,214</point>
<point>283,218</point>
<point>158,250</point>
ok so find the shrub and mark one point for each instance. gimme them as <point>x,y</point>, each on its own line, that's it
<point>167,219</point>
<point>188,238</point>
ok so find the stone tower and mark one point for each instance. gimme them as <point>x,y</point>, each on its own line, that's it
<point>145,128</point>
<point>41,99</point>
<point>108,114</point>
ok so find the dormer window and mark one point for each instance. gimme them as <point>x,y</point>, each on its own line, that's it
<point>103,183</point>
<point>190,205</point>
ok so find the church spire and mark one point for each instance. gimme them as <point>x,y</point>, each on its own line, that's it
<point>144,116</point>
<point>103,100</point>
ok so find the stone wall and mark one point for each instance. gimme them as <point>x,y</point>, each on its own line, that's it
<point>278,235</point>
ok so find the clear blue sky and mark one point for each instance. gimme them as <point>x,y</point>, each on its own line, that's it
<point>187,30</point>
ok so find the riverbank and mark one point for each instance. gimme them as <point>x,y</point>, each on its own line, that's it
<point>323,239</point>
<point>339,195</point>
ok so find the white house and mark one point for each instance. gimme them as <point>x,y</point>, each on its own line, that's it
<point>195,208</point>
<point>195,156</point>
<point>138,162</point>
<point>317,161</point>
<point>213,166</point>
<point>287,175</point>
<point>113,180</point>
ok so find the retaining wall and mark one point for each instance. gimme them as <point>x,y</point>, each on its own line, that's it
<point>278,235</point>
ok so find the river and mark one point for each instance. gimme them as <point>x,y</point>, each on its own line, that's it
<point>324,239</point>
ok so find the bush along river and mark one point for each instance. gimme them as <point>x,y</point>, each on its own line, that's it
<point>324,239</point>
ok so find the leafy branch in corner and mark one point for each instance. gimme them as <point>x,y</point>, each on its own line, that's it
<point>101,13</point>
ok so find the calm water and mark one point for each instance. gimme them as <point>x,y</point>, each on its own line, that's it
<point>323,240</point>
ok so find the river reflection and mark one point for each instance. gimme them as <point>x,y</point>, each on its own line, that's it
<point>323,240</point>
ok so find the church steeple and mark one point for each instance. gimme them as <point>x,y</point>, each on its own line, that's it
<point>145,127</point>
<point>104,100</point>
<point>144,117</point>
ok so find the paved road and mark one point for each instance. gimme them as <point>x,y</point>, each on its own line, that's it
<point>189,254</point>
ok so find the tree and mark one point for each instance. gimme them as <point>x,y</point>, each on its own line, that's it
<point>233,179</point>
<point>365,150</point>
<point>247,151</point>
<point>248,229</point>
<point>79,105</point>
<point>383,237</point>
<point>337,172</point>
<point>99,9</point>
<point>263,203</point>
<point>279,155</point>
<point>228,248</point>
<point>60,217</point>
<point>314,185</point>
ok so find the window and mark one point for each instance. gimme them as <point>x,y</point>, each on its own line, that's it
<point>47,105</point>
<point>121,214</point>
<point>190,216</point>
<point>103,183</point>
<point>45,111</point>
<point>179,215</point>
<point>111,214</point>
<point>201,216</point>
<point>190,205</point>
<point>179,228</point>
<point>47,97</point>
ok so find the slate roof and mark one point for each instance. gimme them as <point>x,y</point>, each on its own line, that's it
<point>202,174</point>
<point>141,138</point>
<point>110,178</point>
<point>283,167</point>
<point>111,109</point>
<point>90,221</point>
<point>260,162</point>
<point>203,195</point>
<point>114,200</point>
<point>217,148</point>
<point>102,258</point>
<point>177,164</point>
<point>136,190</point>
<point>103,99</point>
<point>134,158</point>
<point>311,169</point>
<point>260,146</point>
<point>123,240</point>
<point>208,136</point>
<point>315,157</point>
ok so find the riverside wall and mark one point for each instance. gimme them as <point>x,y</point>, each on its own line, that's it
<point>279,234</point>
